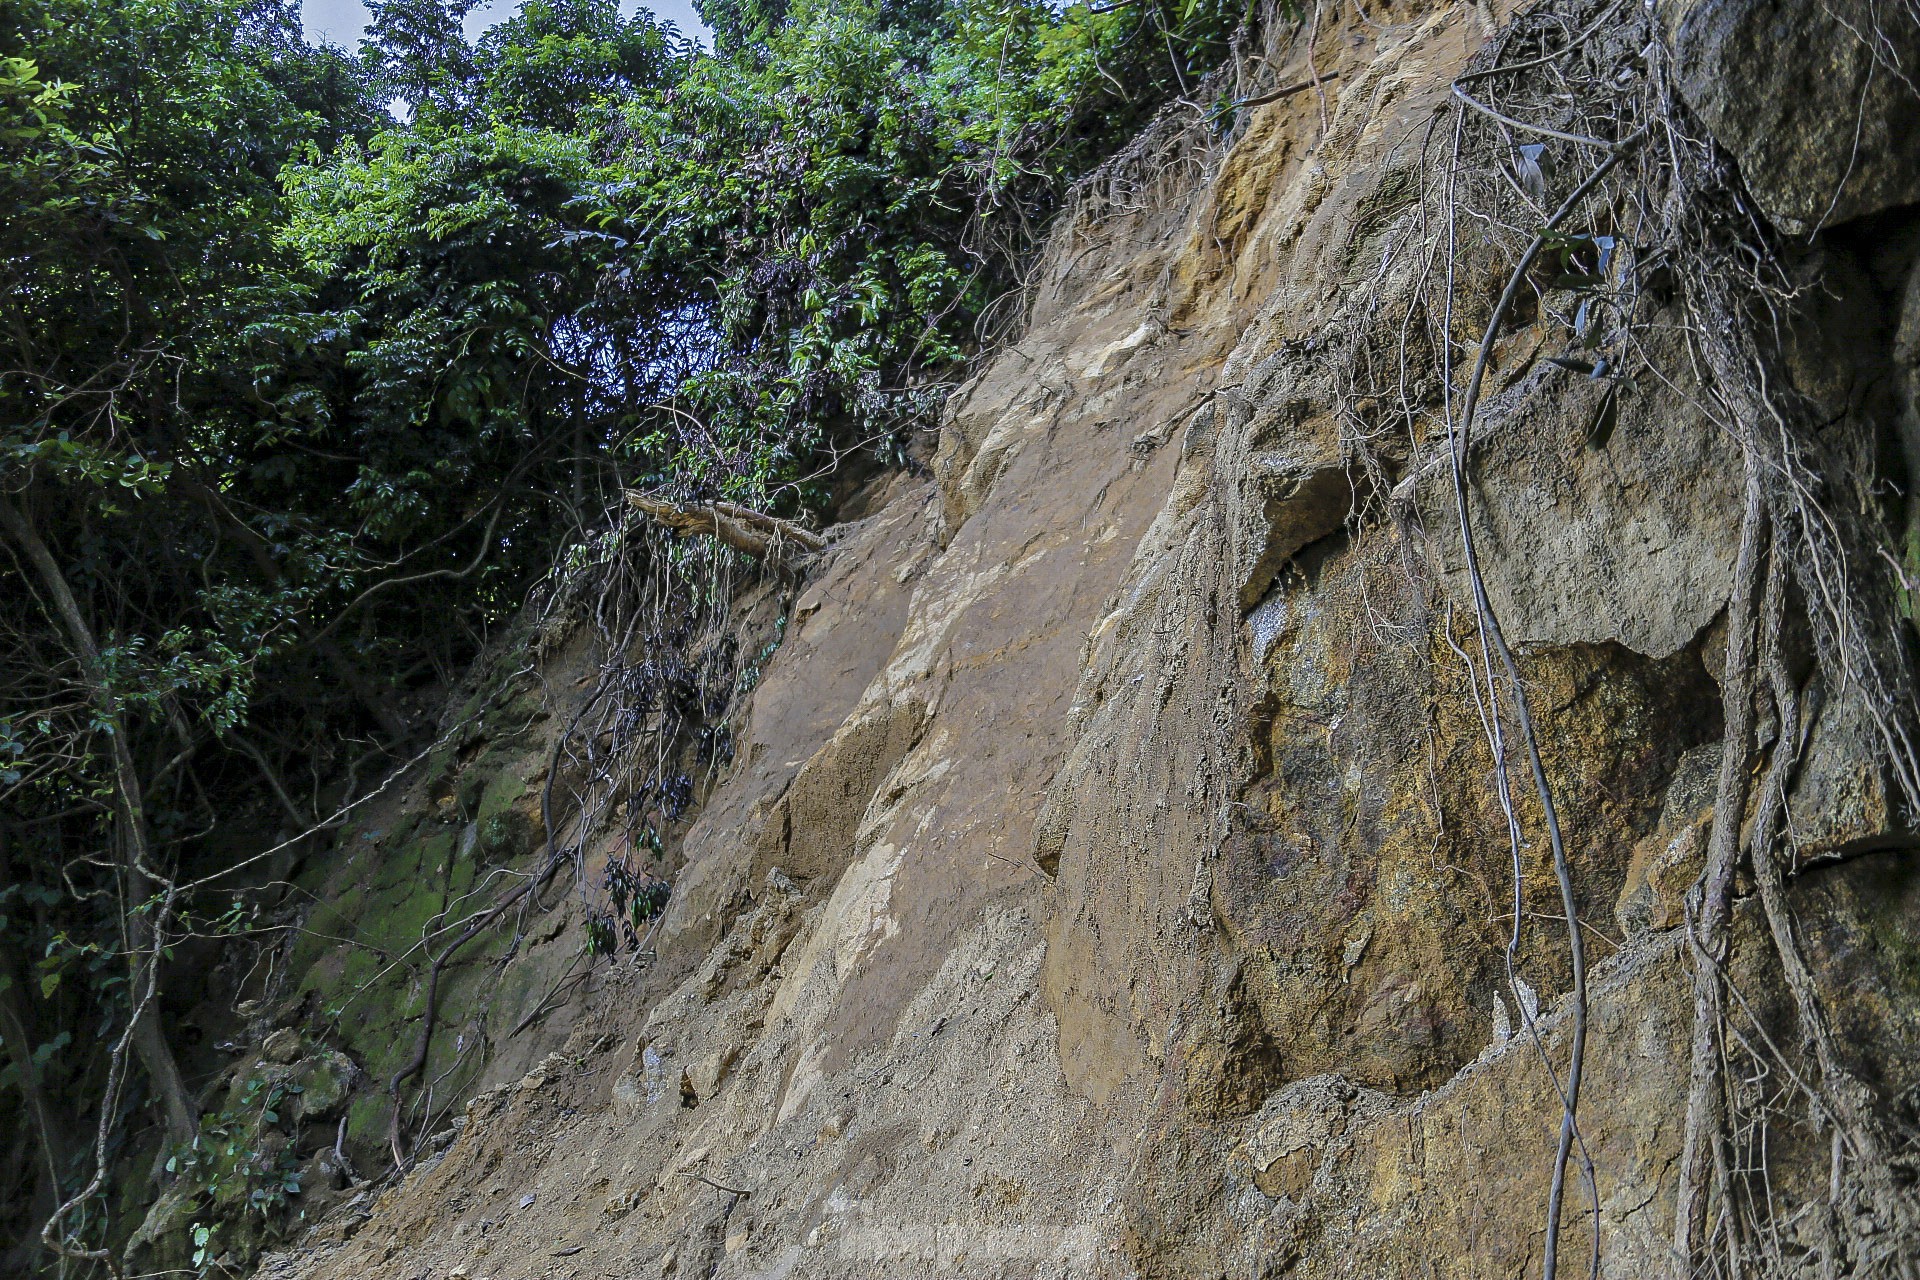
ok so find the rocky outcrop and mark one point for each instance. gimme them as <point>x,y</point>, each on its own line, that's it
<point>1112,877</point>
<point>1813,101</point>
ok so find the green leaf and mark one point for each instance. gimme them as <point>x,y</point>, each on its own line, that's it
<point>1605,418</point>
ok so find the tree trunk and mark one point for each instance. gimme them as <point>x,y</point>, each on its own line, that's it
<point>135,867</point>
<point>45,1122</point>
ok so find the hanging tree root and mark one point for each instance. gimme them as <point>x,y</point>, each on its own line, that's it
<point>1705,1115</point>
<point>745,530</point>
<point>1572,77</point>
<point>1870,1215</point>
<point>1859,1144</point>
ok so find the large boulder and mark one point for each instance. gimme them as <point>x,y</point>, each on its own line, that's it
<point>1815,99</point>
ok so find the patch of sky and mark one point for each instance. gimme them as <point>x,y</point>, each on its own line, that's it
<point>343,22</point>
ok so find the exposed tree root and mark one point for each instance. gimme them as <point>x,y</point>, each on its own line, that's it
<point>1685,253</point>
<point>1711,905</point>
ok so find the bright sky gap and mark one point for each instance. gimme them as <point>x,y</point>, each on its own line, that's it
<point>341,22</point>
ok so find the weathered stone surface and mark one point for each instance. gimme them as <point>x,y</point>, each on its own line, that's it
<point>1816,100</point>
<point>1667,862</point>
<point>1296,1132</point>
<point>1843,800</point>
<point>1632,542</point>
<point>283,1046</point>
<point>1289,499</point>
<point>325,1077</point>
<point>163,1240</point>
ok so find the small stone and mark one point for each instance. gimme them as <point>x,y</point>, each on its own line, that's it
<point>326,1077</point>
<point>704,1078</point>
<point>1355,948</point>
<point>283,1046</point>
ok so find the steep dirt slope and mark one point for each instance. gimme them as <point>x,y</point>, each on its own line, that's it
<point>1113,880</point>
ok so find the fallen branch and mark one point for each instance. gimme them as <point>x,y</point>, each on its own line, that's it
<point>717,1186</point>
<point>747,531</point>
<point>1276,94</point>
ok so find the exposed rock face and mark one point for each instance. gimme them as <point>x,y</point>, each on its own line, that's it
<point>1110,881</point>
<point>1815,102</point>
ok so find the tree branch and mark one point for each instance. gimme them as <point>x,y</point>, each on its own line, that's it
<point>135,863</point>
<point>747,531</point>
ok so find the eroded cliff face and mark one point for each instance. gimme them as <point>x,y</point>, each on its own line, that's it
<point>1113,878</point>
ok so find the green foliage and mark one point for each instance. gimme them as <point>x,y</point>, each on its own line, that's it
<point>841,202</point>
<point>556,60</point>
<point>31,106</point>
<point>418,53</point>
<point>238,1178</point>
